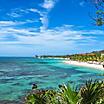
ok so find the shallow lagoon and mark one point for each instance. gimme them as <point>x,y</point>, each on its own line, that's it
<point>18,74</point>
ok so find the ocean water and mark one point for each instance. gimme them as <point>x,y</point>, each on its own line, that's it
<point>18,74</point>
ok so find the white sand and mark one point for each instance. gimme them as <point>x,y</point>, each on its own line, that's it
<point>84,64</point>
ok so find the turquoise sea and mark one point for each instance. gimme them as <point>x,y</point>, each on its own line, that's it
<point>18,74</point>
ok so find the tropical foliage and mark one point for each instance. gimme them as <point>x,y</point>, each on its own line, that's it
<point>97,56</point>
<point>91,93</point>
<point>88,57</point>
<point>99,14</point>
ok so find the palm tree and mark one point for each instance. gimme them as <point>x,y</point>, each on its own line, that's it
<point>69,96</point>
<point>92,93</point>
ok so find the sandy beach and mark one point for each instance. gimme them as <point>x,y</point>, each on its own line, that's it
<point>84,64</point>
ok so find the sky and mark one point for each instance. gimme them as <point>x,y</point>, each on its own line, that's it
<point>48,27</point>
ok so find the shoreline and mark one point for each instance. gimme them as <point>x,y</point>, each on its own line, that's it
<point>85,64</point>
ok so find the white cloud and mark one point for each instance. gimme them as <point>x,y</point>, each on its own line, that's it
<point>43,18</point>
<point>14,14</point>
<point>44,21</point>
<point>48,4</point>
<point>10,23</point>
<point>34,10</point>
<point>59,34</point>
<point>17,12</point>
<point>59,38</point>
<point>14,31</point>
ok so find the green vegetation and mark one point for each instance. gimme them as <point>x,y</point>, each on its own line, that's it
<point>91,93</point>
<point>97,56</point>
<point>99,14</point>
<point>88,57</point>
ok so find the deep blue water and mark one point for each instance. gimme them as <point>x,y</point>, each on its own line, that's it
<point>18,74</point>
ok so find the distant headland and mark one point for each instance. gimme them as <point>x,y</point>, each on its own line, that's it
<point>93,59</point>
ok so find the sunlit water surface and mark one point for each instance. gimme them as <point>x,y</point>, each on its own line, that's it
<point>18,74</point>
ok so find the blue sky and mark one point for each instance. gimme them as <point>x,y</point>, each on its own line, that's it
<point>50,27</point>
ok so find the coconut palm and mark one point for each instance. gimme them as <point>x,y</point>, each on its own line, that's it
<point>92,93</point>
<point>69,96</point>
